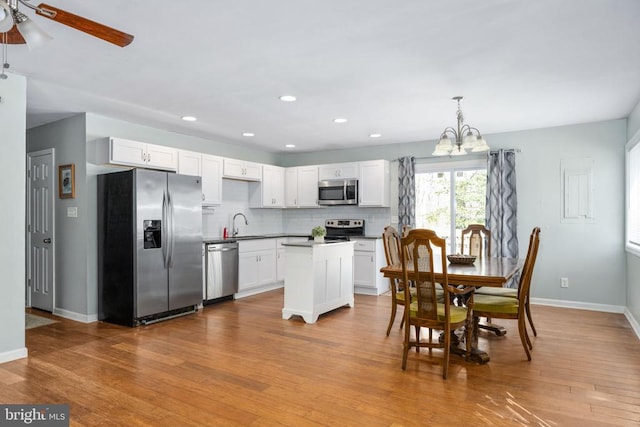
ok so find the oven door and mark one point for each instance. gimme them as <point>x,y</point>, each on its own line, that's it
<point>338,192</point>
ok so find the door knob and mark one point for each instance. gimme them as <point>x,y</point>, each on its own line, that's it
<point>47,240</point>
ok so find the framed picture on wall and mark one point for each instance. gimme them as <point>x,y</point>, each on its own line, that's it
<point>67,181</point>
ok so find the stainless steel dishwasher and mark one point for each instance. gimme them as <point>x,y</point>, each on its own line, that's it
<point>222,271</point>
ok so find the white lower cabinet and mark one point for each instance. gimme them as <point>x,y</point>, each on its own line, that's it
<point>368,259</point>
<point>256,267</point>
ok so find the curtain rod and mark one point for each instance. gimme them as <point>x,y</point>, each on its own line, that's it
<point>515,150</point>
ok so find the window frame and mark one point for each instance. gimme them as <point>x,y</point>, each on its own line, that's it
<point>451,166</point>
<point>633,146</point>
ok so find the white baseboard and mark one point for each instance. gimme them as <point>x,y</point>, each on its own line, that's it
<point>590,306</point>
<point>633,322</point>
<point>78,317</point>
<point>8,356</point>
<point>259,290</point>
<point>579,305</point>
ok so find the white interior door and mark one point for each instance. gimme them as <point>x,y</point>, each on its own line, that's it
<point>40,229</point>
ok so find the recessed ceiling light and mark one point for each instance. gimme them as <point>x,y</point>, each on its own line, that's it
<point>340,120</point>
<point>287,98</point>
<point>375,135</point>
<point>189,118</point>
<point>248,134</point>
<point>290,146</point>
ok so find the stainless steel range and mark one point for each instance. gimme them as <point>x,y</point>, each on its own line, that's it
<point>343,229</point>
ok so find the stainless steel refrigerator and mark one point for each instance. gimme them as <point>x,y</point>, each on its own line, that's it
<point>149,246</point>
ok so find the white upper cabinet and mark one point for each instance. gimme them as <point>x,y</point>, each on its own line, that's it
<point>301,187</point>
<point>373,183</point>
<point>211,180</point>
<point>269,193</point>
<point>209,168</point>
<point>338,171</point>
<point>119,151</point>
<point>240,169</point>
<point>189,163</point>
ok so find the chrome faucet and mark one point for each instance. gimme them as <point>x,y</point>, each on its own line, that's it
<point>234,232</point>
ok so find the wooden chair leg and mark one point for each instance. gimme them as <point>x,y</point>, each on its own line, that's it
<point>528,310</point>
<point>393,316</point>
<point>522,329</point>
<point>402,322</point>
<point>417,338</point>
<point>447,349</point>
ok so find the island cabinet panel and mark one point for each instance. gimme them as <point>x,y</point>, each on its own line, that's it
<point>318,279</point>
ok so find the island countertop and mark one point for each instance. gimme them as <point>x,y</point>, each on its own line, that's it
<point>312,243</point>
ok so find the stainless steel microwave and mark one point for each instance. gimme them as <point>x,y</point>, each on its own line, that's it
<point>338,192</point>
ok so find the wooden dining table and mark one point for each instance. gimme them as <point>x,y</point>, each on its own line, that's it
<point>485,271</point>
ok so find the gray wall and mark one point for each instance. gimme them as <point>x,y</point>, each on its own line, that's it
<point>67,137</point>
<point>13,92</point>
<point>633,261</point>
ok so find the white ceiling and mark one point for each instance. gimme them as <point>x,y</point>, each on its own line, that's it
<point>390,67</point>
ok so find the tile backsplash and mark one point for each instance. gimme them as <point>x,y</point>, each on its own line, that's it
<point>235,198</point>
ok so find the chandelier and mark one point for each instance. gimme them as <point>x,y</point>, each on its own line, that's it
<point>456,142</point>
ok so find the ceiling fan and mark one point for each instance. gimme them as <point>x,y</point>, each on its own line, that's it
<point>18,28</point>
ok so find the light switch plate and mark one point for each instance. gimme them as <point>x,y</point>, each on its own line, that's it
<point>72,212</point>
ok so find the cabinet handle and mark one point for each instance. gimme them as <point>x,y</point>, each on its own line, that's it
<point>149,158</point>
<point>203,197</point>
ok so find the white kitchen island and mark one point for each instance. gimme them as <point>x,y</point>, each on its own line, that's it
<point>318,278</point>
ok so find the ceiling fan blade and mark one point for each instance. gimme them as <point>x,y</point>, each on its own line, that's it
<point>14,36</point>
<point>93,28</point>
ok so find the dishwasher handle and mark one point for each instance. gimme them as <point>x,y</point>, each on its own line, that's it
<point>214,249</point>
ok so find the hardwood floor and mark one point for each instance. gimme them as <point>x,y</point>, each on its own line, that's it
<point>239,363</point>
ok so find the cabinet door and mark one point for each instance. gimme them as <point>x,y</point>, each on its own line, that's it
<point>126,152</point>
<point>280,265</point>
<point>162,157</point>
<point>252,171</point>
<point>338,171</point>
<point>374,183</point>
<point>277,187</point>
<point>247,270</point>
<point>364,268</point>
<point>211,180</point>
<point>189,163</point>
<point>308,186</point>
<point>267,267</point>
<point>291,188</point>
<point>239,169</point>
<point>233,168</point>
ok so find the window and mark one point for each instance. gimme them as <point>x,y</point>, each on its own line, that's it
<point>450,196</point>
<point>633,195</point>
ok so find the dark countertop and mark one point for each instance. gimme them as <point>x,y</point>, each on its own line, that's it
<point>217,240</point>
<point>312,243</point>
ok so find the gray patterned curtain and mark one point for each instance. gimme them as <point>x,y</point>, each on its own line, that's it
<point>406,192</point>
<point>502,203</point>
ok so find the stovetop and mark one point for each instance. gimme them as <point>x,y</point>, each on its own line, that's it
<point>343,229</point>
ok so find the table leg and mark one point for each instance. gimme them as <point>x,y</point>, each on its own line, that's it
<point>496,329</point>
<point>459,348</point>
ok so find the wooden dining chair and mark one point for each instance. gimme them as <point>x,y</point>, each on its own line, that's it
<point>508,292</point>
<point>479,240</point>
<point>501,307</point>
<point>391,241</point>
<point>428,310</point>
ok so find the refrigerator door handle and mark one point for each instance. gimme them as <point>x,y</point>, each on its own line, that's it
<point>165,230</point>
<point>171,231</point>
